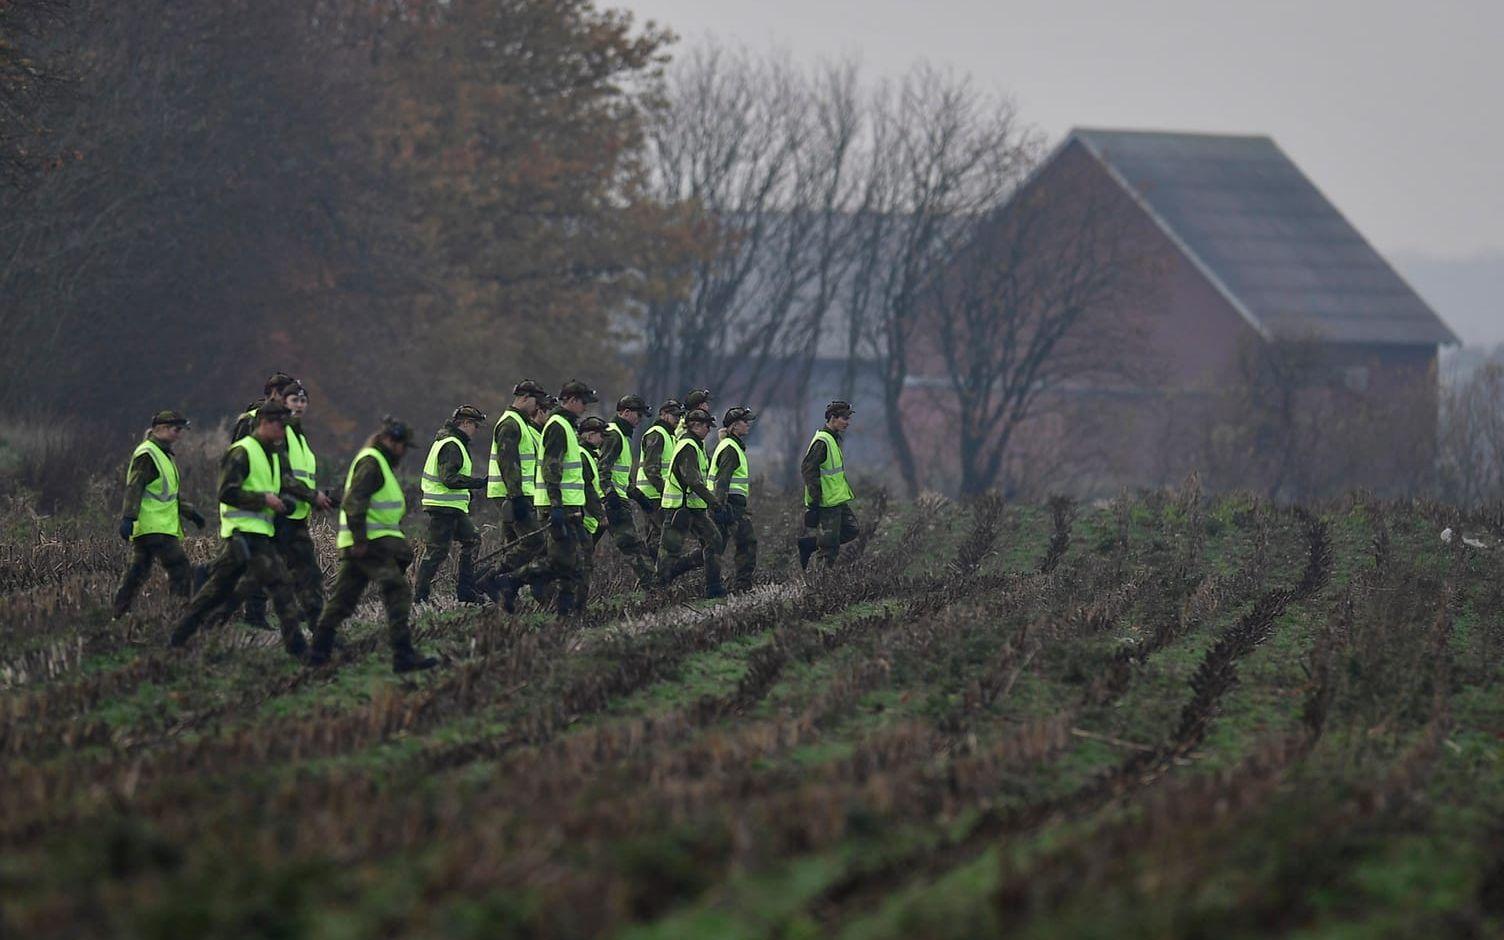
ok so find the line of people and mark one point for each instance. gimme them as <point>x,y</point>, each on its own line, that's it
<point>562,481</point>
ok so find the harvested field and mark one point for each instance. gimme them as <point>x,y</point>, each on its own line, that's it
<point>1171,715</point>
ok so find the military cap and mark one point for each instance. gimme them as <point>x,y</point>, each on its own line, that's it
<point>468,413</point>
<point>278,381</point>
<point>530,387</point>
<point>739,413</point>
<point>671,406</point>
<point>396,429</point>
<point>700,416</point>
<point>632,403</point>
<point>574,388</point>
<point>273,411</point>
<point>174,418</point>
<point>696,398</point>
<point>838,409</point>
<point>593,423</point>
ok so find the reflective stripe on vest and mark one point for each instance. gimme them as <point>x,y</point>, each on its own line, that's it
<point>666,456</point>
<point>741,474</point>
<point>591,522</point>
<point>834,490</point>
<point>572,475</point>
<point>620,478</point>
<point>265,477</point>
<point>673,493</point>
<point>527,456</point>
<point>384,513</point>
<point>158,514</point>
<point>435,493</point>
<point>303,466</point>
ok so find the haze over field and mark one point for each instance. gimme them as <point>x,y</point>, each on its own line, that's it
<point>1384,104</point>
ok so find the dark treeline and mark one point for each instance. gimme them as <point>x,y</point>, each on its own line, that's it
<point>401,201</point>
<point>412,204</point>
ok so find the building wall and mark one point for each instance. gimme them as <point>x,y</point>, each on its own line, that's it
<point>1175,418</point>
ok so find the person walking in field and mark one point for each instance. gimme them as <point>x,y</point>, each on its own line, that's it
<point>616,485</point>
<point>513,470</point>
<point>732,476</point>
<point>688,505</point>
<point>293,540</point>
<point>152,513</point>
<point>446,486</point>
<point>592,431</point>
<point>250,479</point>
<point>827,495</point>
<point>652,467</point>
<point>559,497</point>
<point>373,550</point>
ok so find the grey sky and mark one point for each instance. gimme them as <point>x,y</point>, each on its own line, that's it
<point>1392,108</point>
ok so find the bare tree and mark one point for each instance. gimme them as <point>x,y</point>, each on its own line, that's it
<point>1471,453</point>
<point>1020,316</point>
<point>944,154</point>
<point>766,155</point>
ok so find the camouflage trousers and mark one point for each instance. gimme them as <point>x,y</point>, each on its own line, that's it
<point>652,529</point>
<point>255,559</point>
<point>445,527</point>
<point>586,564</point>
<point>166,550</point>
<point>679,525</point>
<point>743,535</point>
<point>526,531</point>
<point>623,532</point>
<point>295,545</point>
<point>837,526</point>
<point>560,564</point>
<point>384,565</point>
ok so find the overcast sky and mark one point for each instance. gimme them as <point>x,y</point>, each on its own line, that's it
<point>1392,108</point>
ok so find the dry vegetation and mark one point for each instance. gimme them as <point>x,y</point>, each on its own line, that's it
<point>1167,715</point>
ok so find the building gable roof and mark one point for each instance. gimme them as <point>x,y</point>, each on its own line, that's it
<point>1266,237</point>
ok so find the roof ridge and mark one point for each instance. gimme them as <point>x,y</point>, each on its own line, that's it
<point>1163,132</point>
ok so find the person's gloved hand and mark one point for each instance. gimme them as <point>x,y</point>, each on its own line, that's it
<point>127,526</point>
<point>197,518</point>
<point>359,549</point>
<point>812,517</point>
<point>557,522</point>
<point>724,515</point>
<point>522,509</point>
<point>642,499</point>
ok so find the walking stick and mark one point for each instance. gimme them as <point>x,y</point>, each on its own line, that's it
<point>492,554</point>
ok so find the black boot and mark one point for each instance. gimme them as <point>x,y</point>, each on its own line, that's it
<point>254,611</point>
<point>406,659</point>
<point>467,591</point>
<point>806,549</point>
<point>322,648</point>
<point>566,604</point>
<point>293,640</point>
<point>714,590</point>
<point>464,584</point>
<point>506,592</point>
<point>182,634</point>
<point>486,586</point>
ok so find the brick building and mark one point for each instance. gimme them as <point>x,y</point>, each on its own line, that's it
<point>1251,264</point>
